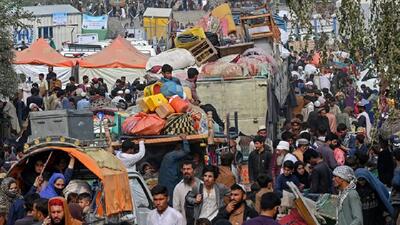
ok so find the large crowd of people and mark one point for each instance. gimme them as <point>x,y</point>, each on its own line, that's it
<point>327,145</point>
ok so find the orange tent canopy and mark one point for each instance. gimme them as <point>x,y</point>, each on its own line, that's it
<point>119,54</point>
<point>41,53</point>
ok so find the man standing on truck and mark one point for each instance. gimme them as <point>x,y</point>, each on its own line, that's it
<point>129,156</point>
<point>190,82</point>
<point>171,85</point>
<point>169,169</point>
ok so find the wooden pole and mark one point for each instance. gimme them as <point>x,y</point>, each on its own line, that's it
<point>45,164</point>
<point>210,128</point>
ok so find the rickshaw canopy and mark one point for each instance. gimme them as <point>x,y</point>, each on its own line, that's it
<point>104,165</point>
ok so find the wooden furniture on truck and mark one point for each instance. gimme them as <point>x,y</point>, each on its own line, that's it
<point>260,26</point>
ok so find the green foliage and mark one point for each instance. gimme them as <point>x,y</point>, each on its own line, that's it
<point>303,10</point>
<point>352,26</point>
<point>10,13</point>
<point>385,30</point>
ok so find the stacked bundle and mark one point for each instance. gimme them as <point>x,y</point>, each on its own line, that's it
<point>251,63</point>
<point>163,113</point>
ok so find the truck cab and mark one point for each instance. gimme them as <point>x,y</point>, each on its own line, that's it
<point>141,197</point>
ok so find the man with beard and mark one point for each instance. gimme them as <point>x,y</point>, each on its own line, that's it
<point>188,182</point>
<point>236,211</point>
<point>59,213</point>
<point>349,208</point>
<point>270,203</point>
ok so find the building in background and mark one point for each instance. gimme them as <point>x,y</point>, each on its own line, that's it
<point>59,23</point>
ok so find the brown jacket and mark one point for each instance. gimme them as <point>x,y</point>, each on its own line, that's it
<point>258,197</point>
<point>226,176</point>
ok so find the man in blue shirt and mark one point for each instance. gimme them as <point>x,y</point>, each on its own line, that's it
<point>84,103</point>
<point>171,85</point>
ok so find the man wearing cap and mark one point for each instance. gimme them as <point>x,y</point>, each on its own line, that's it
<point>118,98</point>
<point>363,119</point>
<point>301,147</point>
<point>84,103</point>
<point>348,209</point>
<point>59,213</point>
<point>308,106</point>
<point>259,160</point>
<point>236,211</point>
<point>283,150</point>
<point>262,132</point>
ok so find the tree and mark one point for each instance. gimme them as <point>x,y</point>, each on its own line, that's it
<point>352,27</point>
<point>10,14</point>
<point>385,30</point>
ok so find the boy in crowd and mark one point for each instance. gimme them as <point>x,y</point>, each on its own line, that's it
<point>287,175</point>
<point>84,200</point>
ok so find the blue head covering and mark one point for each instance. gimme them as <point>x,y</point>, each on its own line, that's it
<point>378,186</point>
<point>50,190</point>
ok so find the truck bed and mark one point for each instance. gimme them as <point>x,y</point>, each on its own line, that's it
<point>248,97</point>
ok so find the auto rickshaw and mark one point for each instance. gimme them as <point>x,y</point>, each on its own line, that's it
<point>111,187</point>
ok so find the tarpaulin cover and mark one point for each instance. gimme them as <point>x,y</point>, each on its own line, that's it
<point>105,166</point>
<point>40,53</point>
<point>111,74</point>
<point>32,71</point>
<point>119,54</point>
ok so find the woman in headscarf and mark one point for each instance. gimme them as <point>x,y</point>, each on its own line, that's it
<point>55,186</point>
<point>348,211</point>
<point>376,207</point>
<point>302,174</point>
<point>8,194</point>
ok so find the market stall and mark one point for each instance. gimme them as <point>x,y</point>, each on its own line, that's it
<point>38,57</point>
<point>120,58</point>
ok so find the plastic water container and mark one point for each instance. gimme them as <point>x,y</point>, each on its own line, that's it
<point>154,101</point>
<point>152,89</point>
<point>164,110</point>
<point>179,105</point>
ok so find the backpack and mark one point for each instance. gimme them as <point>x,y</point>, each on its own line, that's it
<point>189,208</point>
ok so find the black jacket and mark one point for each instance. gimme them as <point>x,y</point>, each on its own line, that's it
<point>248,214</point>
<point>259,163</point>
